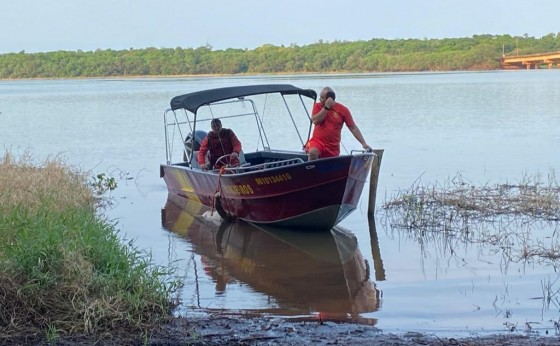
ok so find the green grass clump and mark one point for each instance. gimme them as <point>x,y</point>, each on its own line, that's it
<point>63,269</point>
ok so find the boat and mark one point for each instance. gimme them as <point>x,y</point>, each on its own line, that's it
<point>273,183</point>
<point>301,273</point>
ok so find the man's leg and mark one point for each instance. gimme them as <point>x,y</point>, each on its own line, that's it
<point>313,154</point>
<point>313,149</point>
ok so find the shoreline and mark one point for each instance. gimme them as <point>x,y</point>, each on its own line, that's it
<point>249,75</point>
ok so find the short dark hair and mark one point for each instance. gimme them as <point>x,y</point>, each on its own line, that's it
<point>215,122</point>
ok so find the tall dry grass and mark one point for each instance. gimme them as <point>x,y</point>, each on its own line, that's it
<point>63,269</point>
<point>521,219</point>
<point>24,184</point>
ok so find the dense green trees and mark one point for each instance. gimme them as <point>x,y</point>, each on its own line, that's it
<point>480,52</point>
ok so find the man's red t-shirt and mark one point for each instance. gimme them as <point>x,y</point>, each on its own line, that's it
<point>326,136</point>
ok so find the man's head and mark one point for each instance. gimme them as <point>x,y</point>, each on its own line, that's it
<point>325,94</point>
<point>216,125</point>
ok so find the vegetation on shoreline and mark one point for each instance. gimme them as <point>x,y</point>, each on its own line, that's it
<point>480,52</point>
<point>64,269</point>
<point>521,219</point>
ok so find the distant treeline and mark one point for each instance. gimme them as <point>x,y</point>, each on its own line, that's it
<point>480,52</point>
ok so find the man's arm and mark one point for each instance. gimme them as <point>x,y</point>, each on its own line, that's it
<point>202,153</point>
<point>235,143</point>
<point>358,135</point>
<point>320,116</point>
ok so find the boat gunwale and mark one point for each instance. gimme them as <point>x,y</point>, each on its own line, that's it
<point>247,170</point>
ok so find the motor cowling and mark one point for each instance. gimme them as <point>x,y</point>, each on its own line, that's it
<point>193,143</point>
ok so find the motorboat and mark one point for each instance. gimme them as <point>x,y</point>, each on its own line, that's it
<point>273,183</point>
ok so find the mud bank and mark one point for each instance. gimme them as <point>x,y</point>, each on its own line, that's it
<point>228,330</point>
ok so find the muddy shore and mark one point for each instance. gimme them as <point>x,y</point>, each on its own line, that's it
<point>228,330</point>
<point>274,331</point>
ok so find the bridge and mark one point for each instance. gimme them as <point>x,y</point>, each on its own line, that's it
<point>531,61</point>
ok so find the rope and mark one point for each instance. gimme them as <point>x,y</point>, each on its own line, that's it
<point>218,192</point>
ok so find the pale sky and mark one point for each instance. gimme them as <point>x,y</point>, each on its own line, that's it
<point>51,25</point>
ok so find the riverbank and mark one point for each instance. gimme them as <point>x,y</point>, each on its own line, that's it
<point>65,270</point>
<point>223,330</point>
<point>235,330</point>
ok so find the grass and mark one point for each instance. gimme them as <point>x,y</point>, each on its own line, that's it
<point>509,216</point>
<point>63,268</point>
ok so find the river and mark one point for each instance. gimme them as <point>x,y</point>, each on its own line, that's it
<point>486,127</point>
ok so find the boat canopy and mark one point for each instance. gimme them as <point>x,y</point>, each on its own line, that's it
<point>193,101</point>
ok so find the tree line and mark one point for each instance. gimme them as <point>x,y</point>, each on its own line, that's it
<point>480,52</point>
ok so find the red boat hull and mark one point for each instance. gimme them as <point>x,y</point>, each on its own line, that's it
<point>315,195</point>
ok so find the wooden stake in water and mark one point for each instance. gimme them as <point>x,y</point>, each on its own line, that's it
<point>375,252</point>
<point>374,176</point>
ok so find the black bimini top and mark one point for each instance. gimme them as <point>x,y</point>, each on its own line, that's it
<point>193,101</point>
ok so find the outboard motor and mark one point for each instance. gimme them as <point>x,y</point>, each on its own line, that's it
<point>192,144</point>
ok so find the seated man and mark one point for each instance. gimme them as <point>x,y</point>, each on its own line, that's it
<point>218,142</point>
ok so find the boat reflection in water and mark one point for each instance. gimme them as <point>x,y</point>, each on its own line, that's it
<point>319,274</point>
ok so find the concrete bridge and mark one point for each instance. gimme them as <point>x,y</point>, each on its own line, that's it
<point>531,61</point>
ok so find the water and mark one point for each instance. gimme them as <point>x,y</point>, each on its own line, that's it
<point>491,127</point>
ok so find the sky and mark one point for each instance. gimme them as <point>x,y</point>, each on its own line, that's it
<point>87,25</point>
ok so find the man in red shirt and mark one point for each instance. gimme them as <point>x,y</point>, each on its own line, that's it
<point>217,143</point>
<point>328,117</point>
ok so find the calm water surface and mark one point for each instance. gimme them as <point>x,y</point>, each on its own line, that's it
<point>492,127</point>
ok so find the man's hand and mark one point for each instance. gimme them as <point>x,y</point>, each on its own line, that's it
<point>205,166</point>
<point>329,103</point>
<point>367,147</point>
<point>234,155</point>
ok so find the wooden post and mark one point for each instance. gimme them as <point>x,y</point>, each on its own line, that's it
<point>374,176</point>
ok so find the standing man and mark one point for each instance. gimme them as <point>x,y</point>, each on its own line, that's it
<point>328,117</point>
<point>218,142</point>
